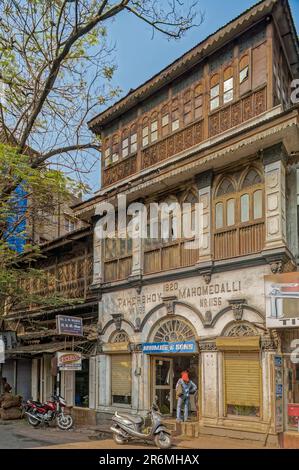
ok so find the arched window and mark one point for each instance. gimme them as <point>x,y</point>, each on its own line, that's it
<point>198,101</point>
<point>251,178</point>
<point>107,152</point>
<point>145,133</point>
<point>215,92</point>
<point>133,139</point>
<point>165,121</point>
<point>225,187</point>
<point>125,143</point>
<point>154,127</point>
<point>228,85</point>
<point>238,215</point>
<point>189,214</point>
<point>244,74</point>
<point>187,107</point>
<point>115,148</point>
<point>175,116</point>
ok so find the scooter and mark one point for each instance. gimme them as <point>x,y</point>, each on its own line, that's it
<point>126,428</point>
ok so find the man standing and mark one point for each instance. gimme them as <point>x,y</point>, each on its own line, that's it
<point>184,388</point>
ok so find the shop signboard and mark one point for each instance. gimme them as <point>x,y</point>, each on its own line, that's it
<point>282,300</point>
<point>71,326</point>
<point>183,347</point>
<point>69,360</point>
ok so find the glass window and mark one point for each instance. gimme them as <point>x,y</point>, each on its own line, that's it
<point>258,204</point>
<point>115,149</point>
<point>215,99</point>
<point>228,90</point>
<point>187,108</point>
<point>154,131</point>
<point>175,116</point>
<point>133,142</point>
<point>145,135</point>
<point>125,147</point>
<point>245,208</point>
<point>230,212</point>
<point>244,74</point>
<point>219,215</point>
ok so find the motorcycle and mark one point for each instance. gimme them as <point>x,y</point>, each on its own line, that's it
<point>43,413</point>
<point>126,428</point>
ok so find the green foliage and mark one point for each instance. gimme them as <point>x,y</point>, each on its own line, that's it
<point>41,186</point>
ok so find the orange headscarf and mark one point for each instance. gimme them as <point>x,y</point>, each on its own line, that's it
<point>185,376</point>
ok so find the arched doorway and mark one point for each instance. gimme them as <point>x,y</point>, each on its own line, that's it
<point>176,333</point>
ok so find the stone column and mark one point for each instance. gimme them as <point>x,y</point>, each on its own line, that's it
<point>275,196</point>
<point>204,186</point>
<point>98,254</point>
<point>104,363</point>
<point>209,384</point>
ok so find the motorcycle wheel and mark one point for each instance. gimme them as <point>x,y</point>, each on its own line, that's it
<point>64,422</point>
<point>33,421</point>
<point>163,440</point>
<point>120,440</point>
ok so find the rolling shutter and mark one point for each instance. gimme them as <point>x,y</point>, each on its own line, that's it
<point>121,374</point>
<point>242,378</point>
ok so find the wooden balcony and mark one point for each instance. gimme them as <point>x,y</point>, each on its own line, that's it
<point>70,280</point>
<point>173,144</point>
<point>239,241</point>
<point>238,112</point>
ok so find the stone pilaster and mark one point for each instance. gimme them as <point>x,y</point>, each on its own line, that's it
<point>275,197</point>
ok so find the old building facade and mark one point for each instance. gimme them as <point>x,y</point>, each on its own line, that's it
<point>215,127</point>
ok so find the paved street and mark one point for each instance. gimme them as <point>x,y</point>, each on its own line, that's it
<point>19,435</point>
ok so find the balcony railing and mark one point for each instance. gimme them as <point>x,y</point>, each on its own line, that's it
<point>169,257</point>
<point>239,241</point>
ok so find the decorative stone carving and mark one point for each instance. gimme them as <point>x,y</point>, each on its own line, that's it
<point>208,318</point>
<point>237,306</point>
<point>240,329</point>
<point>117,318</point>
<point>207,346</point>
<point>170,304</point>
<point>276,267</point>
<point>207,277</point>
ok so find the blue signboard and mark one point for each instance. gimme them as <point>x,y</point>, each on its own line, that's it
<point>72,326</point>
<point>183,347</point>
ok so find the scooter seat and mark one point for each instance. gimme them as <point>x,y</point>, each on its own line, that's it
<point>133,419</point>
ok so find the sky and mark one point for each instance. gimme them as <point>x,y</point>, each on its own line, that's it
<point>139,56</point>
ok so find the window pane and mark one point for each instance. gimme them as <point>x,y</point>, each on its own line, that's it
<point>165,120</point>
<point>219,215</point>
<point>258,205</point>
<point>245,208</point>
<point>214,103</point>
<point>244,74</point>
<point>228,84</point>
<point>215,91</point>
<point>154,126</point>
<point>230,212</point>
<point>228,96</point>
<point>175,125</point>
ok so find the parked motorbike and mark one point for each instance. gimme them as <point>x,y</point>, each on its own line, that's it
<point>43,413</point>
<point>126,428</point>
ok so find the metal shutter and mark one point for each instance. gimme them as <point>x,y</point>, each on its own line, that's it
<point>121,374</point>
<point>242,378</point>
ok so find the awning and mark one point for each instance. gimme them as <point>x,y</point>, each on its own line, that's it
<point>244,343</point>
